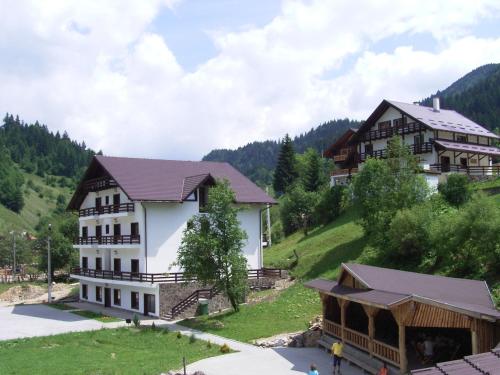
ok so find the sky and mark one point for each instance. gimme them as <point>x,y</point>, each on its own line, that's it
<point>175,79</point>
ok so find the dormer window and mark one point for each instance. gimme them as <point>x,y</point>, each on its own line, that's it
<point>203,197</point>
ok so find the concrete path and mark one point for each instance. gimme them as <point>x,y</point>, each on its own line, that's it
<point>40,320</point>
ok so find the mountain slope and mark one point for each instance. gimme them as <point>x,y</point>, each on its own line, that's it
<point>257,160</point>
<point>476,95</point>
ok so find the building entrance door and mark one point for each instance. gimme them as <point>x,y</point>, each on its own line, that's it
<point>445,163</point>
<point>149,304</point>
<point>107,297</point>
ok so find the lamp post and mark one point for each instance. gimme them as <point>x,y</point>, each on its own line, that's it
<point>49,273</point>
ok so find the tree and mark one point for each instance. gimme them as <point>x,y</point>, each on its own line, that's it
<point>297,208</point>
<point>212,243</point>
<point>314,174</point>
<point>329,206</point>
<point>285,173</point>
<point>456,189</point>
<point>384,186</point>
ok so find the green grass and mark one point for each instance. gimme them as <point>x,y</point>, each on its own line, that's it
<point>34,206</point>
<point>320,254</point>
<point>493,183</point>
<point>61,306</point>
<point>107,351</point>
<point>96,316</point>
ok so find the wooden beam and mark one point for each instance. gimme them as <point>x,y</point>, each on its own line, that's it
<point>403,362</point>
<point>371,312</point>
<point>474,338</point>
<point>343,306</point>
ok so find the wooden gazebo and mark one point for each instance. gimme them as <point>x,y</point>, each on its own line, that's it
<point>379,310</point>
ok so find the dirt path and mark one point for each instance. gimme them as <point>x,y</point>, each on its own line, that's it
<point>32,293</point>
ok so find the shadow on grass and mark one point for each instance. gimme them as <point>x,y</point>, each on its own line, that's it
<point>332,258</point>
<point>208,323</point>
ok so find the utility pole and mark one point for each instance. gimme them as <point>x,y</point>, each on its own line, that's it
<point>49,272</point>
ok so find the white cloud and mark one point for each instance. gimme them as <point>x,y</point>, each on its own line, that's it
<point>96,70</point>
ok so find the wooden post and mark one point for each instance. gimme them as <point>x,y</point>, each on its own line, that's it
<point>371,312</point>
<point>403,362</point>
<point>343,306</point>
<point>473,336</point>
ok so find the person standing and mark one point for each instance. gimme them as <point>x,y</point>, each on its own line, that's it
<point>337,348</point>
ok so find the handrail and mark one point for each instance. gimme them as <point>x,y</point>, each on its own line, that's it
<point>412,127</point>
<point>191,299</point>
<point>386,352</point>
<point>99,183</point>
<point>109,209</point>
<point>356,338</point>
<point>470,170</point>
<point>332,327</point>
<point>416,148</point>
<point>123,239</point>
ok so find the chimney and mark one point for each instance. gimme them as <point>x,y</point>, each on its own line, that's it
<point>435,104</point>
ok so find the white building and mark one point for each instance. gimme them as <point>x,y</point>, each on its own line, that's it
<point>443,140</point>
<point>132,213</point>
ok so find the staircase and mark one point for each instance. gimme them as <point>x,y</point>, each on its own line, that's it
<point>190,301</point>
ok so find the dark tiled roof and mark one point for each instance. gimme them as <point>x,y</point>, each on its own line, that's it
<point>170,180</point>
<point>445,119</point>
<point>340,142</point>
<point>371,296</point>
<point>466,147</point>
<point>386,287</point>
<point>480,364</point>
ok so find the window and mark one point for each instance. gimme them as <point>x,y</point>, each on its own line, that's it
<point>98,231</point>
<point>85,232</point>
<point>117,232</point>
<point>397,123</point>
<point>203,194</point>
<point>134,265</point>
<point>418,139</point>
<point>85,262</point>
<point>85,294</point>
<point>117,297</point>
<point>134,229</point>
<point>384,125</point>
<point>134,300</point>
<point>107,228</point>
<point>107,199</point>
<point>369,149</point>
<point>463,162</point>
<point>98,264</point>
<point>462,138</point>
<point>98,202</point>
<point>98,293</point>
<point>117,265</point>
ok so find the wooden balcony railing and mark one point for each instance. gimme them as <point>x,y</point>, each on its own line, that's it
<point>356,338</point>
<point>386,352</point>
<point>421,148</point>
<point>409,128</point>
<point>379,349</point>
<point>99,183</point>
<point>111,209</point>
<point>471,170</point>
<point>109,240</point>
<point>344,172</point>
<point>170,277</point>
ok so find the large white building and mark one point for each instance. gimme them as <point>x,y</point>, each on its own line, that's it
<point>132,213</point>
<point>443,140</point>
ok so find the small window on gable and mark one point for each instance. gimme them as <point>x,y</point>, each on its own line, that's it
<point>384,125</point>
<point>461,138</point>
<point>203,197</point>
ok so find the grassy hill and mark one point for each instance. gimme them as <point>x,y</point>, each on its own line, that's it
<point>40,198</point>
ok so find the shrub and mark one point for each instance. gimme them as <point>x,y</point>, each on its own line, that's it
<point>329,206</point>
<point>225,348</point>
<point>179,334</point>
<point>297,208</point>
<point>192,338</point>
<point>136,321</point>
<point>456,189</point>
<point>209,345</point>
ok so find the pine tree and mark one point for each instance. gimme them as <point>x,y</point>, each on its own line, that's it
<point>314,174</point>
<point>286,169</point>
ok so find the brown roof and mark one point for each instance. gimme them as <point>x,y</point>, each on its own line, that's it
<point>467,147</point>
<point>167,180</point>
<point>394,286</point>
<point>484,363</point>
<point>341,142</point>
<point>445,119</point>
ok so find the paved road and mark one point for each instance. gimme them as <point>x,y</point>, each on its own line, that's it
<point>39,320</point>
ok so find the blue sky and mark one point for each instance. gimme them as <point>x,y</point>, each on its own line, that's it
<point>178,78</point>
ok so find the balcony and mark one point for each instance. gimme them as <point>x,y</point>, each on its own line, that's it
<point>103,210</point>
<point>109,240</point>
<point>412,127</point>
<point>126,276</point>
<point>471,170</point>
<point>100,183</point>
<point>415,149</point>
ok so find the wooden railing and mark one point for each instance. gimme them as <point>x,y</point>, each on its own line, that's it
<point>118,275</point>
<point>411,127</point>
<point>191,300</point>
<point>110,209</point>
<point>471,170</point>
<point>344,172</point>
<point>386,352</point>
<point>356,338</point>
<point>109,240</point>
<point>419,148</point>
<point>170,277</point>
<point>332,328</point>
<point>99,183</point>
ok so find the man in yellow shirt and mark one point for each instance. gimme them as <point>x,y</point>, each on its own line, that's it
<point>337,348</point>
